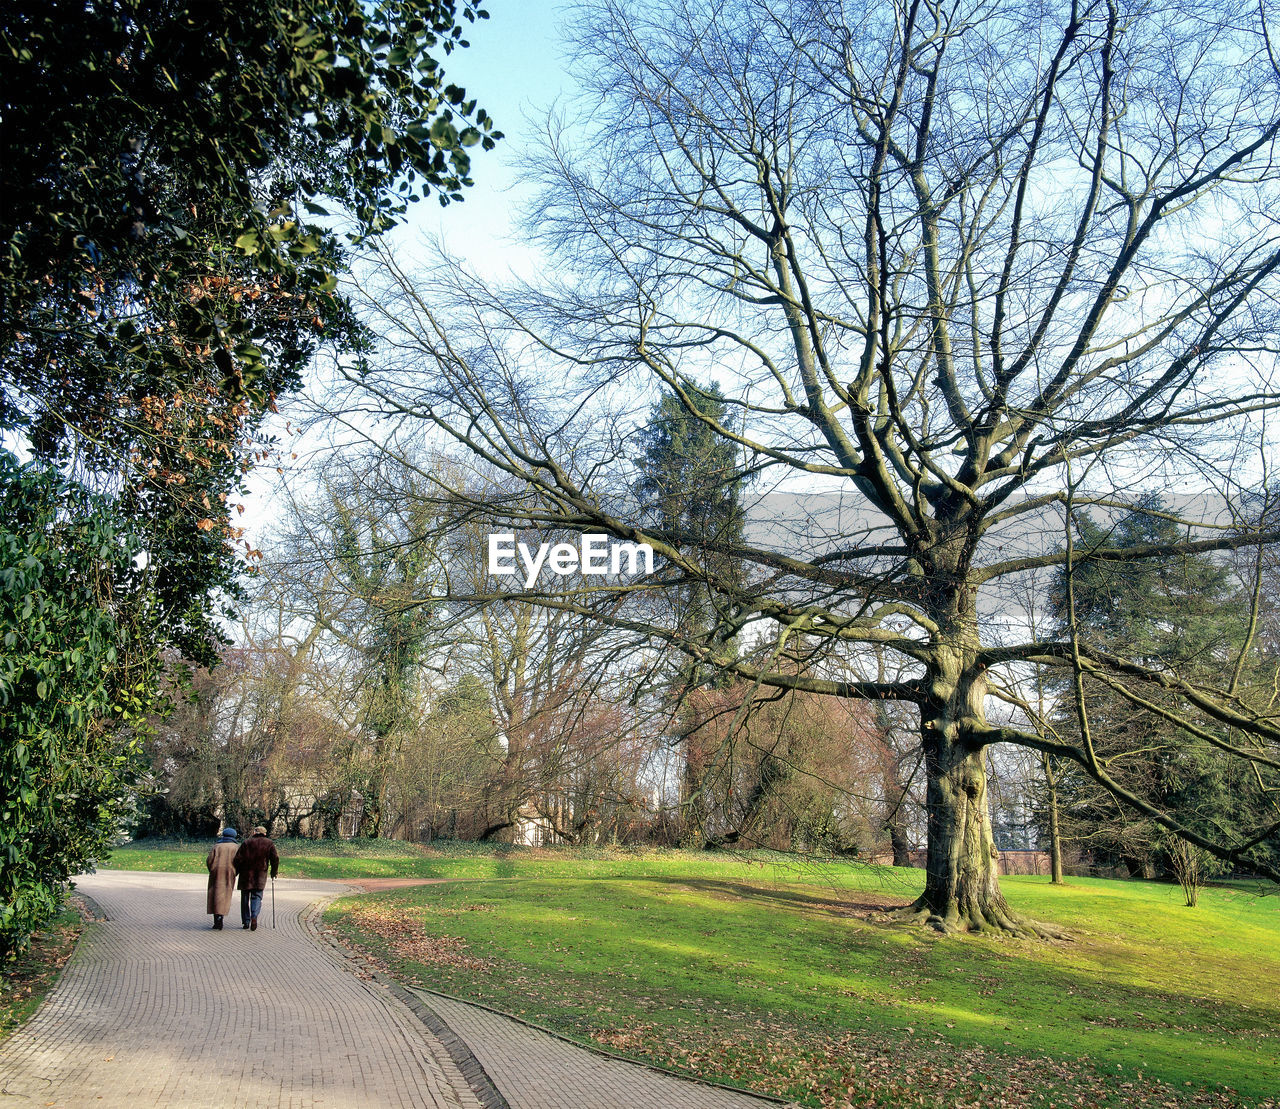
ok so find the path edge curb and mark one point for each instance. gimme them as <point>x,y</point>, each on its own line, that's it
<point>459,1051</point>
<point>92,920</point>
<point>597,1049</point>
<point>471,1069</point>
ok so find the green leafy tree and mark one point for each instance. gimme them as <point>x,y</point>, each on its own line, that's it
<point>77,667</point>
<point>167,264</point>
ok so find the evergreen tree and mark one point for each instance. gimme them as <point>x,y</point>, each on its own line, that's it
<point>1187,615</point>
<point>690,488</point>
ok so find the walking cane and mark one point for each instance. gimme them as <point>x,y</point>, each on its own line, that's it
<point>273,901</point>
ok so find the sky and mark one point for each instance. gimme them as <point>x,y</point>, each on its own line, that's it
<point>515,68</point>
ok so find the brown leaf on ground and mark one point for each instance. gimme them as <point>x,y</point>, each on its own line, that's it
<point>853,1070</point>
<point>405,937</point>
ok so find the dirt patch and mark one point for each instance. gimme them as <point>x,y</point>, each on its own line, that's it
<point>377,885</point>
<point>404,935</point>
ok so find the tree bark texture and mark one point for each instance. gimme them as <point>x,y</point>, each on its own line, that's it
<point>1055,835</point>
<point>962,886</point>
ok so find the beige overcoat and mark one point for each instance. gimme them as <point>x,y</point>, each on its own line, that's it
<point>222,878</point>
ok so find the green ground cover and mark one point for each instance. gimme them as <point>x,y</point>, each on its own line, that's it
<point>304,858</point>
<point>767,971</point>
<point>300,858</point>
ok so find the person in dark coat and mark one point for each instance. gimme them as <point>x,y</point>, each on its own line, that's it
<point>220,863</point>
<point>255,857</point>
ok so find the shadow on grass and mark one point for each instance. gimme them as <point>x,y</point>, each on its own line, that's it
<point>867,906</point>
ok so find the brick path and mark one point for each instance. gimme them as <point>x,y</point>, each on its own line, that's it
<point>157,1010</point>
<point>535,1070</point>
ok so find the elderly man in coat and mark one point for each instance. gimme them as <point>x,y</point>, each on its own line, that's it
<point>222,876</point>
<point>256,855</point>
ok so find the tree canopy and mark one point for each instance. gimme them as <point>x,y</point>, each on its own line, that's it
<point>183,182</point>
<point>966,270</point>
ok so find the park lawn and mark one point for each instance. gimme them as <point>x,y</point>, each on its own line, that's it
<point>790,981</point>
<point>355,859</point>
<point>300,858</point>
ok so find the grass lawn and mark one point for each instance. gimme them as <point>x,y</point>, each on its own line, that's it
<point>305,858</point>
<point>300,858</point>
<point>766,972</point>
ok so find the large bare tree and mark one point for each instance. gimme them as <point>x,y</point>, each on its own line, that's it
<point>963,268</point>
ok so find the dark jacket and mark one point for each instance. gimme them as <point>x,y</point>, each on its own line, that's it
<point>256,854</point>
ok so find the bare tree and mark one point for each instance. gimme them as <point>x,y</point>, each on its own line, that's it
<point>788,770</point>
<point>960,266</point>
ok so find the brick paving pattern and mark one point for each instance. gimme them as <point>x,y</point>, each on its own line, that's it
<point>535,1070</point>
<point>155,1009</point>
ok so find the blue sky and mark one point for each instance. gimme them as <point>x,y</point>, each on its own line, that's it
<point>515,68</point>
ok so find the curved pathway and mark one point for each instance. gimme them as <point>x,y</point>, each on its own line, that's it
<point>155,1009</point>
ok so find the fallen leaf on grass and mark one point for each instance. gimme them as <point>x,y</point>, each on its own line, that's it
<point>404,935</point>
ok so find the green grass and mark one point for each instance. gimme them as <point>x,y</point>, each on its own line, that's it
<point>794,983</point>
<point>300,858</point>
<point>304,858</point>
<point>763,970</point>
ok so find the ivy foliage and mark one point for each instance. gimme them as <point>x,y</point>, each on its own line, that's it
<point>77,666</point>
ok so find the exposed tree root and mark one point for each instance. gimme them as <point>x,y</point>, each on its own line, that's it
<point>995,919</point>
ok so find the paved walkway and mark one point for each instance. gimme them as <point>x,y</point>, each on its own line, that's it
<point>536,1070</point>
<point>157,1010</point>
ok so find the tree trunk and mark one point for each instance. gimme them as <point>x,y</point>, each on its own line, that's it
<point>1055,835</point>
<point>371,814</point>
<point>895,789</point>
<point>962,887</point>
<point>898,841</point>
<point>896,822</point>
<point>693,825</point>
<point>962,890</point>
